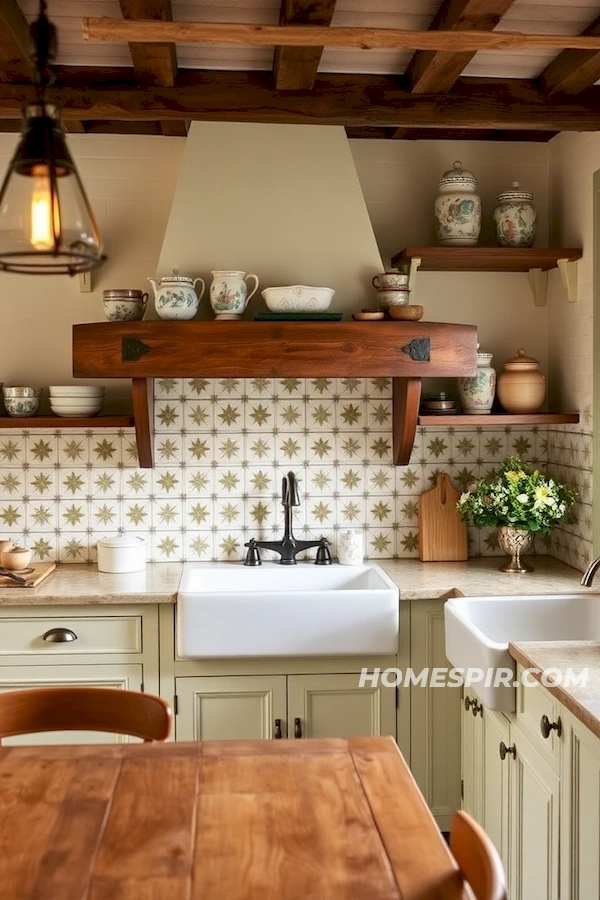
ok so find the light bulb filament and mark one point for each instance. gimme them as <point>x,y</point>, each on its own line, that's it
<point>45,221</point>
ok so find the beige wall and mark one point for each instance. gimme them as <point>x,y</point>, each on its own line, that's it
<point>400,181</point>
<point>574,158</point>
<point>130,182</point>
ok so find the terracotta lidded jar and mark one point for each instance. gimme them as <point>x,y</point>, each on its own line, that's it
<point>521,385</point>
<point>515,218</point>
<point>458,209</point>
<point>477,392</point>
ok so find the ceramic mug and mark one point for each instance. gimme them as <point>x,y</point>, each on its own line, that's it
<point>124,304</point>
<point>351,547</point>
<point>389,281</point>
<point>396,297</point>
<point>229,295</point>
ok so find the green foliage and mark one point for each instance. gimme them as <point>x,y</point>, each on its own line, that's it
<point>517,495</point>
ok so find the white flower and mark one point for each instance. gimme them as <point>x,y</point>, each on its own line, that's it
<point>522,498</point>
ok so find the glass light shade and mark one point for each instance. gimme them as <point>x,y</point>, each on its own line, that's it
<point>46,223</point>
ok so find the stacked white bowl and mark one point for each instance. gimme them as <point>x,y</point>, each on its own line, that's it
<point>72,400</point>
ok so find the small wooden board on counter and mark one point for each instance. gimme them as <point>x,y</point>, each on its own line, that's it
<point>40,572</point>
<point>442,535</point>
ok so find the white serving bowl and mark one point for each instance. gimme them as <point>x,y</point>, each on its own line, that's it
<point>75,390</point>
<point>298,298</point>
<point>76,408</point>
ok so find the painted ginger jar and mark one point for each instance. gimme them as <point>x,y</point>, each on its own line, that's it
<point>515,218</point>
<point>458,209</point>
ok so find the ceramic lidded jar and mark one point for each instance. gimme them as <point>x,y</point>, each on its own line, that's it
<point>521,385</point>
<point>515,218</point>
<point>176,297</point>
<point>458,209</point>
<point>477,392</point>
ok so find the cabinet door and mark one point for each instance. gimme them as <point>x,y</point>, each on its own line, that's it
<point>435,715</point>
<point>496,774</point>
<point>335,706</point>
<point>472,758</point>
<point>535,790</point>
<point>124,677</point>
<point>580,872</point>
<point>229,708</point>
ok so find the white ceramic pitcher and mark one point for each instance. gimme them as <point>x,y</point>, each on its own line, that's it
<point>229,295</point>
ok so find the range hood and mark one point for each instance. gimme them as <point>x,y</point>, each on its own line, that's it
<point>282,201</point>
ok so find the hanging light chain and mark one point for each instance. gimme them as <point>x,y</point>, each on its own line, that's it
<point>43,48</point>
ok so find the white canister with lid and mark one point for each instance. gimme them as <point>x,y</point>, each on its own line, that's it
<point>121,553</point>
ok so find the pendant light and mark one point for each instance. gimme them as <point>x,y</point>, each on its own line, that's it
<point>47,226</point>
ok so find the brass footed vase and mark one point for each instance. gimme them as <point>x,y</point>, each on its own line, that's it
<point>515,541</point>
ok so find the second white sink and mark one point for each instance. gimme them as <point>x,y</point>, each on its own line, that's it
<point>228,609</point>
<point>479,629</point>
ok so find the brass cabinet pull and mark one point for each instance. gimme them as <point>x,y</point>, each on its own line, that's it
<point>546,726</point>
<point>59,636</point>
<point>476,708</point>
<point>468,703</point>
<point>277,730</point>
<point>297,728</point>
<point>505,751</point>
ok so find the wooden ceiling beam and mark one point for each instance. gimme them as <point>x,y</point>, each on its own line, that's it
<point>143,31</point>
<point>295,68</point>
<point>153,63</point>
<point>436,71</point>
<point>573,70</point>
<point>14,42</point>
<point>175,127</point>
<point>358,100</point>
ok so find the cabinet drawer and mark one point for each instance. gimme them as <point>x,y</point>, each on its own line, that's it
<point>89,634</point>
<point>537,707</point>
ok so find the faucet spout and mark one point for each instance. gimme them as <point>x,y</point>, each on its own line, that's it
<point>288,546</point>
<point>591,570</point>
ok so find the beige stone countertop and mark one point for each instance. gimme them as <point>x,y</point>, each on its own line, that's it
<point>481,578</point>
<point>84,584</point>
<point>583,700</point>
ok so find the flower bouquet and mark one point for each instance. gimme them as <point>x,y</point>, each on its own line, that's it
<point>520,502</point>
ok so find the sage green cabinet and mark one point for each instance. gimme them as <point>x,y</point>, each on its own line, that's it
<point>96,646</point>
<point>435,720</point>
<point>288,706</point>
<point>580,823</point>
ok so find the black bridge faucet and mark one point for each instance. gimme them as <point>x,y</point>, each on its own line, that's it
<point>288,546</point>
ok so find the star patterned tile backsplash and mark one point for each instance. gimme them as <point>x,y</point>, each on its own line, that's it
<point>221,448</point>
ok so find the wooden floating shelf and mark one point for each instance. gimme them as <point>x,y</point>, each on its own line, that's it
<point>501,419</point>
<point>486,259</point>
<point>60,422</point>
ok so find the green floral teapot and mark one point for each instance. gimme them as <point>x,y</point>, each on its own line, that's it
<point>175,296</point>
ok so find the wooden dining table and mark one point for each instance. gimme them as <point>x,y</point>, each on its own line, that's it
<point>219,820</point>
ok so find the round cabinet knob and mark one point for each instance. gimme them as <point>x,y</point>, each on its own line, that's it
<point>59,636</point>
<point>506,751</point>
<point>546,726</point>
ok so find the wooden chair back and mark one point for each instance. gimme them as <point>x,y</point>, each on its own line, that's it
<point>477,858</point>
<point>84,709</point>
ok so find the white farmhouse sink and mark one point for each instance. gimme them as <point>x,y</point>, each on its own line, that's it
<point>228,609</point>
<point>479,629</point>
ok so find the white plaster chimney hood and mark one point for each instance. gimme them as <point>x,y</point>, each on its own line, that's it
<point>282,201</point>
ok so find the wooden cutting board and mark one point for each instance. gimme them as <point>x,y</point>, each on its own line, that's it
<point>40,571</point>
<point>442,535</point>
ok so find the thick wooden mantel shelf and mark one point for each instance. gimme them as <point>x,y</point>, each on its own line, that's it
<point>403,351</point>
